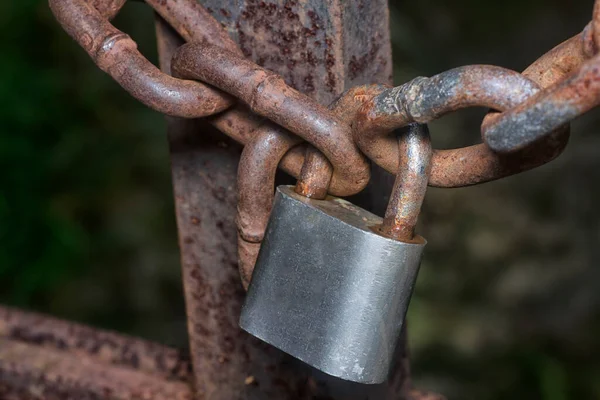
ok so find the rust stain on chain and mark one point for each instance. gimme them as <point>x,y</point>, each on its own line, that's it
<point>268,95</point>
<point>410,186</point>
<point>562,60</point>
<point>108,8</point>
<point>571,88</point>
<point>425,99</point>
<point>256,178</point>
<point>540,115</point>
<point>316,174</point>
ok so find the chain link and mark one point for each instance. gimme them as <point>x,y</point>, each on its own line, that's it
<point>425,99</point>
<point>572,93</point>
<point>266,94</point>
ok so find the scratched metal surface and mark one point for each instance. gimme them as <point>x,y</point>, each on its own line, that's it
<point>319,47</point>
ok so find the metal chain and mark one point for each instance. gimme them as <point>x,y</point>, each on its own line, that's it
<point>558,104</point>
<point>528,128</point>
<point>87,21</point>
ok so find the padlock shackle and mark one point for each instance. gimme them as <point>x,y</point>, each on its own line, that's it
<point>410,186</point>
<point>315,176</point>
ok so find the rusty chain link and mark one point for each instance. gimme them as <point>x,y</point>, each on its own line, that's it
<point>116,53</point>
<point>256,175</point>
<point>567,97</point>
<point>269,96</point>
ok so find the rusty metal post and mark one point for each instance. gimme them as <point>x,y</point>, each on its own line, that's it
<point>321,47</point>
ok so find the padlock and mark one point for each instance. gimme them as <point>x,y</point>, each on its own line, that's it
<point>333,281</point>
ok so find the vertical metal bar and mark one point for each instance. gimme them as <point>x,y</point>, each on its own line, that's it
<point>320,47</point>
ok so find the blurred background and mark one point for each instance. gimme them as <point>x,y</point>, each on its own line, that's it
<point>508,299</point>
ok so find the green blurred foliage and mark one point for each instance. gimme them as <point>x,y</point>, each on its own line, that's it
<point>87,228</point>
<point>508,300</point>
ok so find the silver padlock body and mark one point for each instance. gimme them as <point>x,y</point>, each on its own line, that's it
<point>328,290</point>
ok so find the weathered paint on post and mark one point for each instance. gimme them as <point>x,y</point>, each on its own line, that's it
<point>320,47</point>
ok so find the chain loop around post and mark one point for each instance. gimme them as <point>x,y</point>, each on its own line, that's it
<point>108,8</point>
<point>256,175</point>
<point>268,95</point>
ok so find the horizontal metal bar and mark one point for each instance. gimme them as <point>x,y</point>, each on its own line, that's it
<point>106,347</point>
<point>34,372</point>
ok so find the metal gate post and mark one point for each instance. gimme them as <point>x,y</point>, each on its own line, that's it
<point>320,47</point>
